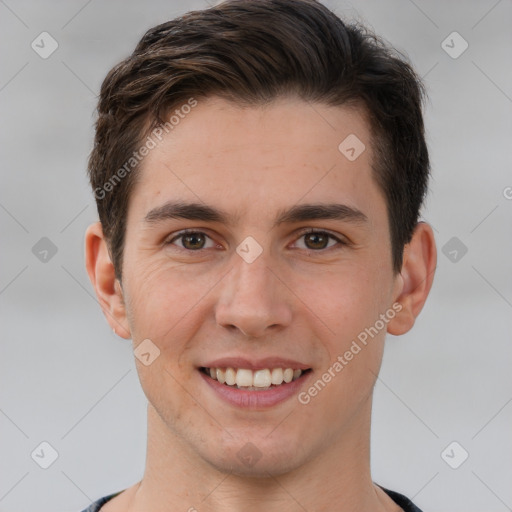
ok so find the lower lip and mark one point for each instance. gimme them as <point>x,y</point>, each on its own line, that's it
<point>256,399</point>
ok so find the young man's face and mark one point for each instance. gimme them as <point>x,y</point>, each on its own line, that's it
<point>301,303</point>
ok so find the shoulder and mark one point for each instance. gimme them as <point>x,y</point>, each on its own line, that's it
<point>402,501</point>
<point>98,504</point>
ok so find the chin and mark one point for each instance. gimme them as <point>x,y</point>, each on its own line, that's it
<point>251,459</point>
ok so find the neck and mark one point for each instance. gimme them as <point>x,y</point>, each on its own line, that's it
<point>177,479</point>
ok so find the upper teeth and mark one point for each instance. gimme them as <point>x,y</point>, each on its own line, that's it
<point>249,378</point>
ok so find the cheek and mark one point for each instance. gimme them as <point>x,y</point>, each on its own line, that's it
<point>164,298</point>
<point>354,351</point>
<point>348,302</point>
<point>358,343</point>
<point>345,299</point>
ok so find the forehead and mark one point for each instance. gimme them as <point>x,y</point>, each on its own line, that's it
<point>261,157</point>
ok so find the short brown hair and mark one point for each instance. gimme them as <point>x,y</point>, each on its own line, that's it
<point>252,52</point>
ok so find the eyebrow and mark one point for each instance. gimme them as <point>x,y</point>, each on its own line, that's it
<point>297,213</point>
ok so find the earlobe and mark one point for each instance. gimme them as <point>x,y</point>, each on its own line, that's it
<point>416,278</point>
<point>102,275</point>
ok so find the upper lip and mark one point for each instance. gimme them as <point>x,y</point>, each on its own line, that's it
<point>255,364</point>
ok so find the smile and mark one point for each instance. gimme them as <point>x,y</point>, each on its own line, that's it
<point>254,389</point>
<point>257,380</point>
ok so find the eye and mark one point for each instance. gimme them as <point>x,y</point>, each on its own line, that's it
<point>319,240</point>
<point>192,240</point>
<point>195,241</point>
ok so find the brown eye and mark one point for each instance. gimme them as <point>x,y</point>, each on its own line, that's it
<point>316,240</point>
<point>191,241</point>
<point>319,240</point>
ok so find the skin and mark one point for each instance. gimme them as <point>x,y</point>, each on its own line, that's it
<point>297,300</point>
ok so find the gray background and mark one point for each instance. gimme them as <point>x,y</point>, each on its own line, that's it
<point>68,380</point>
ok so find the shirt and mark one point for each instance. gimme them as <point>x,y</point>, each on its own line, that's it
<point>406,504</point>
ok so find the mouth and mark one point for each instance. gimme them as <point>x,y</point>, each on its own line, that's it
<point>263,379</point>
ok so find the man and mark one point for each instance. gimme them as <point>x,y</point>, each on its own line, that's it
<point>259,168</point>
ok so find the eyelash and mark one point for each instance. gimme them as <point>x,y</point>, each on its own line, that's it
<point>303,233</point>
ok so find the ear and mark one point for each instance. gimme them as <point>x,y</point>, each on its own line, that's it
<point>101,273</point>
<point>415,279</point>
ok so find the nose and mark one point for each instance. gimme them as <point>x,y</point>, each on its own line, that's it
<point>253,299</point>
